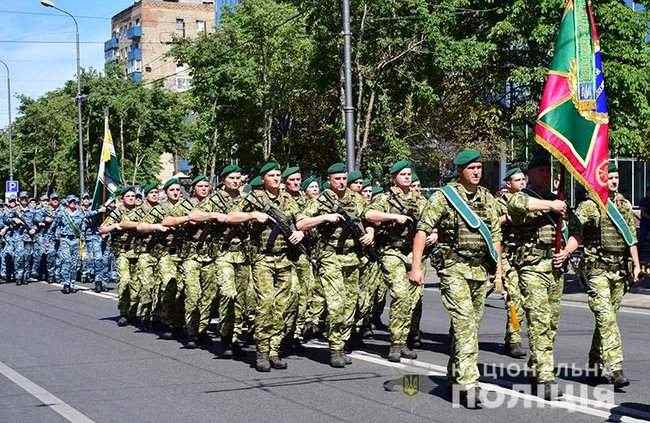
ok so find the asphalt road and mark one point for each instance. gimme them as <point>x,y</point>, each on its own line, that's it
<point>62,358</point>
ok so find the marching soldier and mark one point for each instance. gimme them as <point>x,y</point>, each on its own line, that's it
<point>541,284</point>
<point>39,253</point>
<point>339,250</point>
<point>273,263</point>
<point>515,181</point>
<point>609,243</point>
<point>469,235</point>
<point>52,243</point>
<point>121,223</point>
<point>397,212</point>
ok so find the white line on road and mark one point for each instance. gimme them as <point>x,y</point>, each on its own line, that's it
<point>570,402</point>
<point>48,399</point>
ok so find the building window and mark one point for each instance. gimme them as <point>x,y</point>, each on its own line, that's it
<point>180,28</point>
<point>200,27</point>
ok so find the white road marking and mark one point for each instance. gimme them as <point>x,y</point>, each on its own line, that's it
<point>48,399</point>
<point>570,402</point>
<point>579,304</point>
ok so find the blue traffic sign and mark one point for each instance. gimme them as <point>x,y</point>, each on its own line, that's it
<point>12,187</point>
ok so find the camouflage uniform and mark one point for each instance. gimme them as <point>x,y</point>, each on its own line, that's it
<point>273,271</point>
<point>510,276</point>
<point>541,285</point>
<point>236,294</point>
<point>124,243</point>
<point>605,269</point>
<point>339,266</point>
<point>464,274</point>
<point>148,249</point>
<point>394,243</point>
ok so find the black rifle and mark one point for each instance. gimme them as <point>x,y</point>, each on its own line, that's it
<point>282,223</point>
<point>411,211</point>
<point>352,224</point>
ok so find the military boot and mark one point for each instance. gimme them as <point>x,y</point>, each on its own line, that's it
<point>514,349</point>
<point>552,391</point>
<point>277,362</point>
<point>99,286</point>
<point>122,321</point>
<point>262,363</point>
<point>66,290</point>
<point>348,359</point>
<point>397,352</point>
<point>618,379</point>
<point>337,359</point>
<point>470,398</point>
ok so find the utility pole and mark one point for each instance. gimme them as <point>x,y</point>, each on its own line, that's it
<point>11,144</point>
<point>348,107</point>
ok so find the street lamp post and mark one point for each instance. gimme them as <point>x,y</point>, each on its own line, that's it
<point>50,3</point>
<point>348,107</point>
<point>11,144</point>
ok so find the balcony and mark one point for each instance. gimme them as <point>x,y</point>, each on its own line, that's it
<point>134,32</point>
<point>136,76</point>
<point>111,44</point>
<point>134,54</point>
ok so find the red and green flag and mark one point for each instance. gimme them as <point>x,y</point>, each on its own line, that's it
<point>573,123</point>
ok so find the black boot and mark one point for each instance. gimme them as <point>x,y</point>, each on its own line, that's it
<point>262,363</point>
<point>514,349</point>
<point>99,287</point>
<point>397,352</point>
<point>552,391</point>
<point>337,359</point>
<point>471,398</point>
<point>618,379</point>
<point>277,362</point>
<point>123,321</point>
<point>66,289</point>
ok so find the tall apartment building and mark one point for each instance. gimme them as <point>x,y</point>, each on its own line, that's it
<point>143,32</point>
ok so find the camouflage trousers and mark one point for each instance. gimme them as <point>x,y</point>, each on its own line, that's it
<point>339,275</point>
<point>404,295</point>
<point>128,287</point>
<point>316,302</point>
<point>297,309</point>
<point>605,290</point>
<point>236,296</point>
<point>147,269</point>
<point>464,300</point>
<point>201,277</point>
<point>370,278</point>
<point>170,291</point>
<point>511,284</point>
<point>70,260</point>
<point>541,288</point>
<point>273,278</point>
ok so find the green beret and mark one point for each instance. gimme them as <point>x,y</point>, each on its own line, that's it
<point>256,182</point>
<point>540,158</point>
<point>612,167</point>
<point>467,156</point>
<point>200,178</point>
<point>512,172</point>
<point>269,167</point>
<point>354,176</point>
<point>399,166</point>
<point>170,182</point>
<point>414,177</point>
<point>336,168</point>
<point>377,189</point>
<point>290,171</point>
<point>148,186</point>
<point>325,185</point>
<point>310,180</point>
<point>123,190</point>
<point>231,168</point>
<point>367,182</point>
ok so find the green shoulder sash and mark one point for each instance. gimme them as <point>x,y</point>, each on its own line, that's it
<point>620,223</point>
<point>472,220</point>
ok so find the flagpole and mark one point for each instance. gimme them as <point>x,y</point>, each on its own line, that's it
<point>561,195</point>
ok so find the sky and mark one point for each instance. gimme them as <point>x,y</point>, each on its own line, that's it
<point>41,54</point>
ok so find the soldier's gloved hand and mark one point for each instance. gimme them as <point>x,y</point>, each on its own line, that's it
<point>296,237</point>
<point>560,258</point>
<point>402,219</point>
